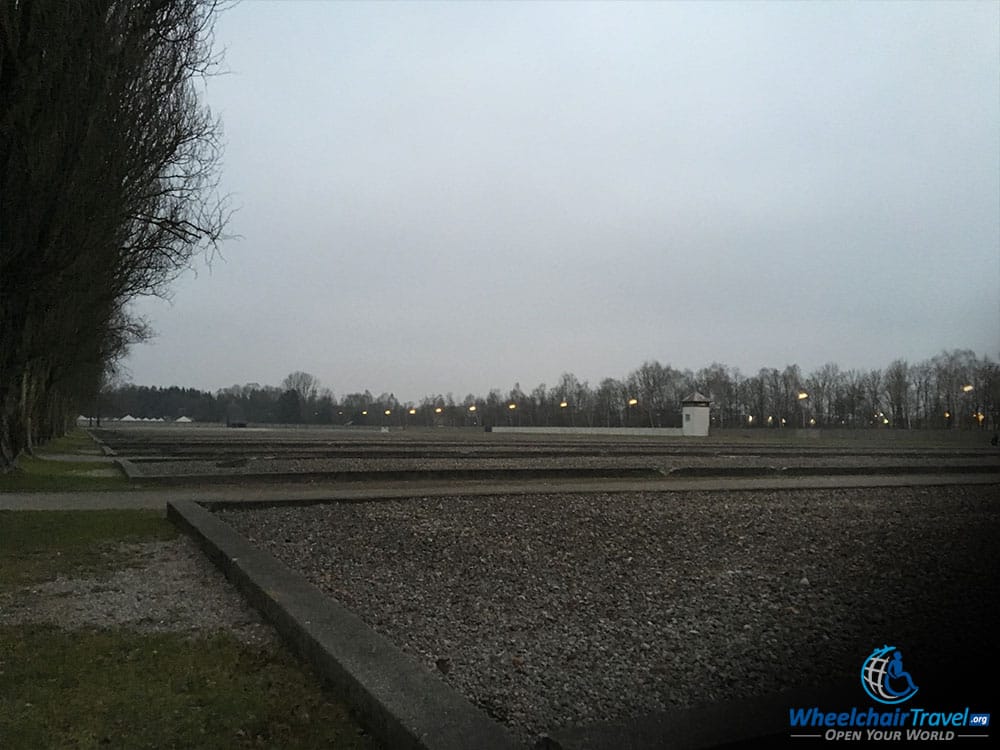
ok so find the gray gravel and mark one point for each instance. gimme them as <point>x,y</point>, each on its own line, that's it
<point>169,586</point>
<point>275,464</point>
<point>562,609</point>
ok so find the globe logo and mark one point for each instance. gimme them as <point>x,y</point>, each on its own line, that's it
<point>883,676</point>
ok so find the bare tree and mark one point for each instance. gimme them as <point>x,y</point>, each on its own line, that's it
<point>718,382</point>
<point>567,393</point>
<point>612,402</point>
<point>108,167</point>
<point>304,384</point>
<point>872,382</point>
<point>538,406</point>
<point>898,388</point>
<point>822,387</point>
<point>656,387</point>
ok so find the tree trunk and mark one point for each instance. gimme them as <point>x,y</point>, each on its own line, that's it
<point>24,408</point>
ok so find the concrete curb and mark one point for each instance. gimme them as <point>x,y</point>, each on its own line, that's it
<point>397,699</point>
<point>514,475</point>
<point>106,449</point>
<point>393,475</point>
<point>810,471</point>
<point>129,469</point>
<point>544,450</point>
<point>722,472</point>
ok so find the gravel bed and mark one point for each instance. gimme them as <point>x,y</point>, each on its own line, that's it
<point>169,586</point>
<point>562,609</point>
<point>277,465</point>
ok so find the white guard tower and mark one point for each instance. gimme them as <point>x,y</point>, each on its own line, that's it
<point>695,409</point>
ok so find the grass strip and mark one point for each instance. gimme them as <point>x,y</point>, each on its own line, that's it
<point>42,545</point>
<point>36,474</point>
<point>121,689</point>
<point>39,473</point>
<point>100,688</point>
<point>74,441</point>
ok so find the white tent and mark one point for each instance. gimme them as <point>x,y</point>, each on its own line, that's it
<point>128,418</point>
<point>184,419</point>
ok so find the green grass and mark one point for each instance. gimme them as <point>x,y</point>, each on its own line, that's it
<point>42,545</point>
<point>40,475</point>
<point>97,689</point>
<point>37,474</point>
<point>124,689</point>
<point>74,441</point>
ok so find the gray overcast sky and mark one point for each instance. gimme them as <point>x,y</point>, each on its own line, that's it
<point>450,197</point>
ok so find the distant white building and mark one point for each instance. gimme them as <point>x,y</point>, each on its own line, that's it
<point>695,409</point>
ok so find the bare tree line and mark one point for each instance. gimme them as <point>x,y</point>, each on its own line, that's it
<point>955,389</point>
<point>108,175</point>
<point>108,167</point>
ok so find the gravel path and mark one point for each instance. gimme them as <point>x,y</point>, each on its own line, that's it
<point>562,609</point>
<point>169,586</point>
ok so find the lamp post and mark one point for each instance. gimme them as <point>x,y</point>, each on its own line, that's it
<point>564,404</point>
<point>965,409</point>
<point>631,402</point>
<point>802,403</point>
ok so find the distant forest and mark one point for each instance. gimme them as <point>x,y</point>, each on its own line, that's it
<point>955,389</point>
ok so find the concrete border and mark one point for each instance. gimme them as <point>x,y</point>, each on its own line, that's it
<point>129,469</point>
<point>405,706</point>
<point>397,699</point>
<point>582,474</point>
<point>813,471</point>
<point>106,449</point>
<point>395,475</point>
<point>674,432</point>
